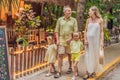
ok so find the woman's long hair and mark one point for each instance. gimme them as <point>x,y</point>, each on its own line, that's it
<point>96,11</point>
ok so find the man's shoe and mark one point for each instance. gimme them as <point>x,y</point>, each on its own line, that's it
<point>57,75</point>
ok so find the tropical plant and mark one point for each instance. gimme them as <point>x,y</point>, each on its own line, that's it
<point>26,21</point>
<point>22,40</point>
<point>50,15</point>
<point>116,13</point>
<point>106,34</point>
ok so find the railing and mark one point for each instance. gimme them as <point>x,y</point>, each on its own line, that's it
<point>27,60</point>
<point>12,36</point>
<point>35,35</point>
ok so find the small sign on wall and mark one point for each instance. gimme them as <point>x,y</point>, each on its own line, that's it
<point>4,64</point>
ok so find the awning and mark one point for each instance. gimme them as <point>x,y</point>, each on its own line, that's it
<point>57,2</point>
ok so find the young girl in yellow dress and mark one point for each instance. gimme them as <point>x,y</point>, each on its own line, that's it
<point>76,47</point>
<point>50,56</point>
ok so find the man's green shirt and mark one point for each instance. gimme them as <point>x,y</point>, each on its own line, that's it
<point>65,28</point>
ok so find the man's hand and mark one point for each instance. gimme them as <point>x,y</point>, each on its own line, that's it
<point>68,41</point>
<point>58,42</point>
<point>57,39</point>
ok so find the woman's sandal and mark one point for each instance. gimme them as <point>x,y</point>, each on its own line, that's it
<point>77,74</point>
<point>57,75</point>
<point>93,75</point>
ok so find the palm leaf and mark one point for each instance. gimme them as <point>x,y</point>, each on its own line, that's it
<point>23,40</point>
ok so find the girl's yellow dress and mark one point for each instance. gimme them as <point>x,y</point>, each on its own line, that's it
<point>51,52</point>
<point>75,48</point>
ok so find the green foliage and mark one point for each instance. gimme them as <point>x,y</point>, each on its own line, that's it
<point>116,13</point>
<point>27,18</point>
<point>106,34</point>
<point>50,15</point>
<point>103,7</point>
<point>116,22</point>
<point>74,14</point>
<point>109,16</point>
<point>26,22</point>
<point>22,41</point>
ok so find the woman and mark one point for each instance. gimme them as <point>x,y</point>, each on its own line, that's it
<point>93,39</point>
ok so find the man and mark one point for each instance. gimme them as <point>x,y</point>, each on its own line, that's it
<point>65,26</point>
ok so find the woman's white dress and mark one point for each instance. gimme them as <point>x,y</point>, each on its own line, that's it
<point>92,51</point>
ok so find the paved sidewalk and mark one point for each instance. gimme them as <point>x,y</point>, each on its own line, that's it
<point>111,53</point>
<point>113,75</point>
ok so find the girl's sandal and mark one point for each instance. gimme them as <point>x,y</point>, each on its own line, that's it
<point>73,78</point>
<point>48,74</point>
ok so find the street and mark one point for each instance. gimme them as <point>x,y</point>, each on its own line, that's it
<point>113,75</point>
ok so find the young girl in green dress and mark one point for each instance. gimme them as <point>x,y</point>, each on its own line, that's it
<point>50,56</point>
<point>76,46</point>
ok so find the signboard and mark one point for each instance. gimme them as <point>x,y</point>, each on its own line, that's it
<point>4,65</point>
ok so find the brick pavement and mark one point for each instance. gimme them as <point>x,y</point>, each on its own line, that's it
<point>111,53</point>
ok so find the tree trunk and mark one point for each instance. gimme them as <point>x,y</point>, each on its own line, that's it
<point>80,13</point>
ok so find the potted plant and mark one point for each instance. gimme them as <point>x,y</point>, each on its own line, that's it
<point>24,23</point>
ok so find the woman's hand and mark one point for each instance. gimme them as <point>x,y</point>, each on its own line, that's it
<point>86,42</point>
<point>102,45</point>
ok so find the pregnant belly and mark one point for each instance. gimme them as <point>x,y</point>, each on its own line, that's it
<point>89,35</point>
